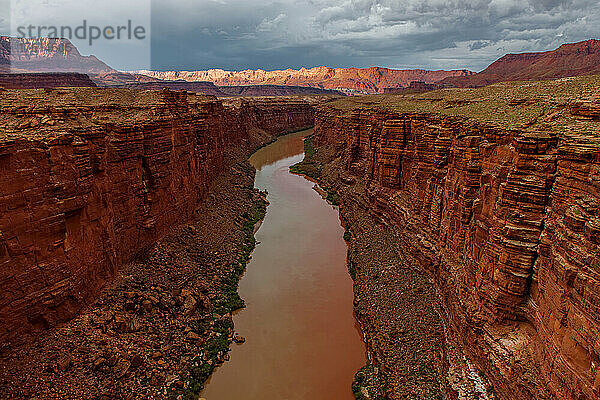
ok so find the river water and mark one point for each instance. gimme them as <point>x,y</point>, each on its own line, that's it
<point>302,341</point>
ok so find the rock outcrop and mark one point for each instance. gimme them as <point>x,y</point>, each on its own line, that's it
<point>501,211</point>
<point>91,177</point>
<point>352,80</point>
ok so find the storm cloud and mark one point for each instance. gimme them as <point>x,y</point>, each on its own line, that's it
<point>276,34</point>
<point>235,34</point>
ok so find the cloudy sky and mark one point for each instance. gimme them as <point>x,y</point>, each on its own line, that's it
<point>274,34</point>
<point>270,34</point>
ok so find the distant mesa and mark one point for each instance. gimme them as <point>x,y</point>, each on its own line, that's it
<point>46,55</point>
<point>574,59</point>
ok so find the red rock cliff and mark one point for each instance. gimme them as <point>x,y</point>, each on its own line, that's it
<point>90,177</point>
<point>505,220</point>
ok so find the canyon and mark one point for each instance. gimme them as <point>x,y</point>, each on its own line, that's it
<point>127,217</point>
<point>494,193</point>
<point>125,226</point>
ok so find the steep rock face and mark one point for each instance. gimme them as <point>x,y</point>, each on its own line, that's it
<point>92,177</point>
<point>46,55</point>
<point>573,59</point>
<point>363,80</point>
<point>505,221</point>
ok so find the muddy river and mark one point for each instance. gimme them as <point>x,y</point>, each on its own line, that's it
<point>302,341</point>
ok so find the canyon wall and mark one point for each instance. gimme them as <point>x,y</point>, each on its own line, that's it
<point>89,178</point>
<point>504,220</point>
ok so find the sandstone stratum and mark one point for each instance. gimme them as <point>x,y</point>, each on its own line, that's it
<point>495,193</point>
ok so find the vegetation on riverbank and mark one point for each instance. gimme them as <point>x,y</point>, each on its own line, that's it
<point>308,166</point>
<point>231,300</point>
<point>214,349</point>
<point>311,168</point>
<point>277,136</point>
<point>368,384</point>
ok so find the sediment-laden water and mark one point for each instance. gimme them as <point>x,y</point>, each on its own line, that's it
<point>302,341</point>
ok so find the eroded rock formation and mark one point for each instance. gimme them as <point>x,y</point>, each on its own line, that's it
<point>90,177</point>
<point>503,216</point>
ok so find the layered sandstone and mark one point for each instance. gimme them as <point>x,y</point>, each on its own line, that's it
<point>495,194</point>
<point>354,80</point>
<point>92,177</point>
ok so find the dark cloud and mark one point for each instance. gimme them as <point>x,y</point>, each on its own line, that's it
<point>269,34</point>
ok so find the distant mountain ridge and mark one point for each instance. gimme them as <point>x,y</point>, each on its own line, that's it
<point>56,62</point>
<point>573,59</point>
<point>357,80</point>
<point>50,56</point>
<point>47,55</point>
